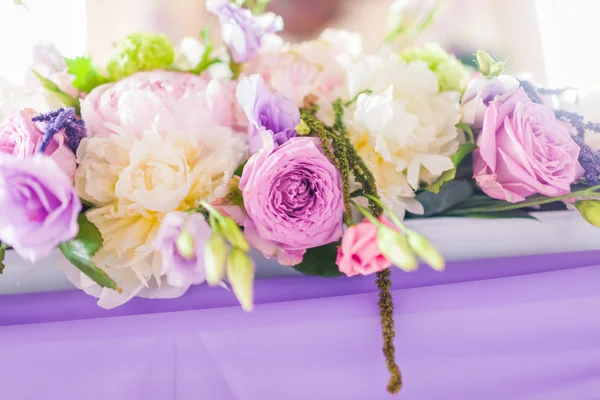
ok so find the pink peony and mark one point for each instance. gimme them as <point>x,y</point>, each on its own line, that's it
<point>523,150</point>
<point>166,101</point>
<point>359,253</point>
<point>308,68</point>
<point>20,137</point>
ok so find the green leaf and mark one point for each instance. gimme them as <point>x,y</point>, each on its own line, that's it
<point>3,248</point>
<point>320,261</point>
<point>86,75</point>
<point>467,129</point>
<point>240,169</point>
<point>80,250</point>
<point>464,150</point>
<point>206,60</point>
<point>65,98</point>
<point>451,194</point>
<point>493,215</point>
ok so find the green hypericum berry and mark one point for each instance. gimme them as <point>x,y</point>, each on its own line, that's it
<point>140,52</point>
<point>451,73</point>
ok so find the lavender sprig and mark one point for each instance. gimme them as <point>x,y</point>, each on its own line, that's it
<point>58,120</point>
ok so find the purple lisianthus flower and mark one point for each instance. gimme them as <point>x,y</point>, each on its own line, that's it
<point>480,93</point>
<point>293,198</point>
<point>38,205</point>
<point>181,240</point>
<point>242,31</point>
<point>268,113</point>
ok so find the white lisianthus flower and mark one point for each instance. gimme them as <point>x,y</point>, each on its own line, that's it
<point>405,130</point>
<point>16,97</point>
<point>134,181</point>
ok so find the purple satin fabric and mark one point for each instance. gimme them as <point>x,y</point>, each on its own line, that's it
<point>525,328</point>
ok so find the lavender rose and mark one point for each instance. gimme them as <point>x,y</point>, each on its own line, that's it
<point>480,92</point>
<point>181,240</point>
<point>293,198</point>
<point>38,205</point>
<point>243,32</point>
<point>21,137</point>
<point>523,150</point>
<point>268,113</point>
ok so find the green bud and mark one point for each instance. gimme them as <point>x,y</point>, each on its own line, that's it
<point>140,52</point>
<point>302,128</point>
<point>394,246</point>
<point>215,256</point>
<point>590,210</point>
<point>488,65</point>
<point>232,232</point>
<point>451,73</point>
<point>424,249</point>
<point>185,244</point>
<point>240,273</point>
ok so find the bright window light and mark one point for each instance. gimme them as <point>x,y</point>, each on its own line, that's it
<point>62,22</point>
<point>568,30</point>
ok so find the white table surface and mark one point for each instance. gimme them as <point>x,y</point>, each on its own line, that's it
<point>456,238</point>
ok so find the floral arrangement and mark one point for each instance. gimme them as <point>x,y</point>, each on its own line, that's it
<point>167,166</point>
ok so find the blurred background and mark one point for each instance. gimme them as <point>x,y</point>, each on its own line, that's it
<point>549,39</point>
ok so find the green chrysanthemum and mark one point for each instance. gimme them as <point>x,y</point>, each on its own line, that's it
<point>451,73</point>
<point>140,52</point>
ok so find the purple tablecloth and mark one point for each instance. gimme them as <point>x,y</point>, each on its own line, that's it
<point>523,328</point>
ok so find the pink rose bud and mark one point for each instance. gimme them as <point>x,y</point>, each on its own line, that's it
<point>359,253</point>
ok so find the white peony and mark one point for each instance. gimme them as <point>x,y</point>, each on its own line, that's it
<point>134,181</point>
<point>405,130</point>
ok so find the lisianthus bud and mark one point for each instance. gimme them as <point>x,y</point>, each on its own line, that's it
<point>394,246</point>
<point>590,210</point>
<point>240,272</point>
<point>302,128</point>
<point>215,256</point>
<point>232,232</point>
<point>140,52</point>
<point>424,249</point>
<point>488,65</point>
<point>185,244</point>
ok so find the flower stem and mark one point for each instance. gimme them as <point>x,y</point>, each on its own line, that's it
<point>212,211</point>
<point>525,204</point>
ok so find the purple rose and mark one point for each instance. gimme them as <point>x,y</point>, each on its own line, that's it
<point>293,197</point>
<point>242,31</point>
<point>523,150</point>
<point>38,205</point>
<point>480,92</point>
<point>181,240</point>
<point>268,113</point>
<point>21,137</point>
